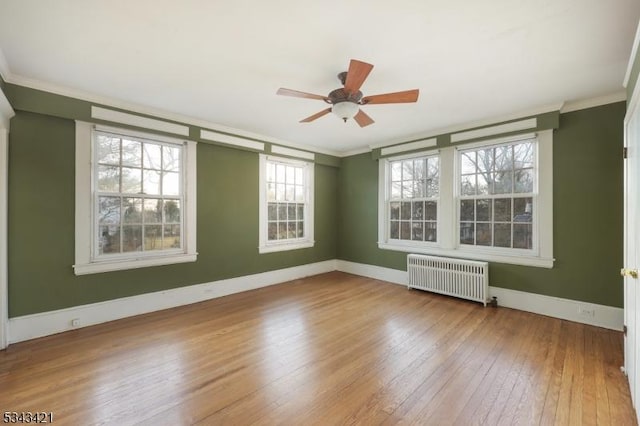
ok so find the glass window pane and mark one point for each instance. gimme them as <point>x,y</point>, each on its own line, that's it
<point>131,180</point>
<point>131,153</point>
<point>109,210</point>
<point>502,183</point>
<point>108,179</point>
<point>280,195</point>
<point>272,213</point>
<point>523,155</point>
<point>396,190</point>
<point>171,183</point>
<point>417,231</point>
<point>109,240</point>
<point>468,185</point>
<point>502,209</point>
<point>171,158</point>
<point>282,230</point>
<point>419,169</point>
<point>502,235</point>
<point>504,158</point>
<point>417,210</point>
<point>483,210</point>
<point>151,156</point>
<point>431,231</point>
<point>485,160</point>
<point>108,149</point>
<point>395,211</point>
<point>466,210</point>
<point>405,210</point>
<point>523,180</point>
<point>433,165</point>
<point>407,170</point>
<point>396,171</point>
<point>300,211</point>
<point>132,210</point>
<point>291,211</point>
<point>483,234</point>
<point>171,238</point>
<point>407,189</point>
<point>271,192</point>
<point>150,182</point>
<point>522,236</point>
<point>291,227</point>
<point>299,193</point>
<point>290,194</point>
<point>394,231</point>
<point>431,210</point>
<point>405,230</point>
<point>418,189</point>
<point>484,183</point>
<point>522,209</point>
<point>299,176</point>
<point>271,172</point>
<point>280,173</point>
<point>282,211</point>
<point>468,163</point>
<point>300,229</point>
<point>152,210</point>
<point>290,173</point>
<point>272,231</point>
<point>172,211</point>
<point>131,238</point>
<point>153,237</point>
<point>466,233</point>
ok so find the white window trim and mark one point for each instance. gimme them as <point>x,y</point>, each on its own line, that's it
<point>84,199</point>
<point>448,244</point>
<point>266,246</point>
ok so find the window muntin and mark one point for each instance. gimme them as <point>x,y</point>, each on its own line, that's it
<point>138,196</point>
<point>414,188</point>
<point>497,198</point>
<point>286,201</point>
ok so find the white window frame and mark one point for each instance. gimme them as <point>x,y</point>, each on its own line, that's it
<point>86,260</point>
<point>266,246</point>
<point>448,215</point>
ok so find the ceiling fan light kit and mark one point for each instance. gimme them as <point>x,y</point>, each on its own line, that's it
<point>346,101</point>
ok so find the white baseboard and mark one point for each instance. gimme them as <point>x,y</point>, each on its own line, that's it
<point>46,323</point>
<point>567,309</point>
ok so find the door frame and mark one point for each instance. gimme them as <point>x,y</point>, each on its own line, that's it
<point>6,112</point>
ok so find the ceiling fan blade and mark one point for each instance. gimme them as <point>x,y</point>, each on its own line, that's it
<point>316,115</point>
<point>298,94</point>
<point>392,98</point>
<point>363,119</point>
<point>358,72</point>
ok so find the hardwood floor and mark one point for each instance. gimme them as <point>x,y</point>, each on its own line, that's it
<point>334,348</point>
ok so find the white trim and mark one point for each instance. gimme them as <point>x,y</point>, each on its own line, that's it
<point>632,56</point>
<point>84,228</point>
<point>142,109</point>
<point>6,111</point>
<point>275,149</point>
<point>138,121</point>
<point>603,316</point>
<point>138,134</point>
<point>515,126</point>
<point>594,102</point>
<point>426,143</point>
<point>43,324</point>
<point>472,124</point>
<point>356,151</point>
<point>4,66</point>
<point>266,246</point>
<point>4,203</point>
<point>497,141</point>
<point>231,140</point>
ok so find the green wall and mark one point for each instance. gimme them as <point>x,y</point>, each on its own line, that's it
<point>41,222</point>
<point>588,200</point>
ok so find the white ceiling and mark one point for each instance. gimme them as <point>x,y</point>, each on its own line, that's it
<point>223,61</point>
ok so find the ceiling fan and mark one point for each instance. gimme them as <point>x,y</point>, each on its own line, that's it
<point>345,102</point>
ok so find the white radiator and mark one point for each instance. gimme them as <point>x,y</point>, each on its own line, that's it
<point>466,279</point>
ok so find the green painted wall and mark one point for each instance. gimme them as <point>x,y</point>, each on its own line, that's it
<point>588,200</point>
<point>41,222</point>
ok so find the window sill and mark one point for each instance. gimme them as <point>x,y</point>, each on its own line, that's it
<point>523,260</point>
<point>285,246</point>
<point>109,266</point>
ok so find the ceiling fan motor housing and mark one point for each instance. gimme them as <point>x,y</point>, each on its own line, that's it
<point>340,95</point>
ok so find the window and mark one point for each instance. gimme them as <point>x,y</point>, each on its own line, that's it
<point>489,200</point>
<point>497,195</point>
<point>286,204</point>
<point>135,200</point>
<point>413,204</point>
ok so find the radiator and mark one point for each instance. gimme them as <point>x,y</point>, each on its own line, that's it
<point>465,279</point>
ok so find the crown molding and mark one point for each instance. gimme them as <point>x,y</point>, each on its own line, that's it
<point>155,112</point>
<point>4,67</point>
<point>594,102</point>
<point>632,56</point>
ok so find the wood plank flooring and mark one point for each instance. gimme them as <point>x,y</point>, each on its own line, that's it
<point>329,349</point>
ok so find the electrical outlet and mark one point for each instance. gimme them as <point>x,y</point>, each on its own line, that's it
<point>75,322</point>
<point>587,312</point>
